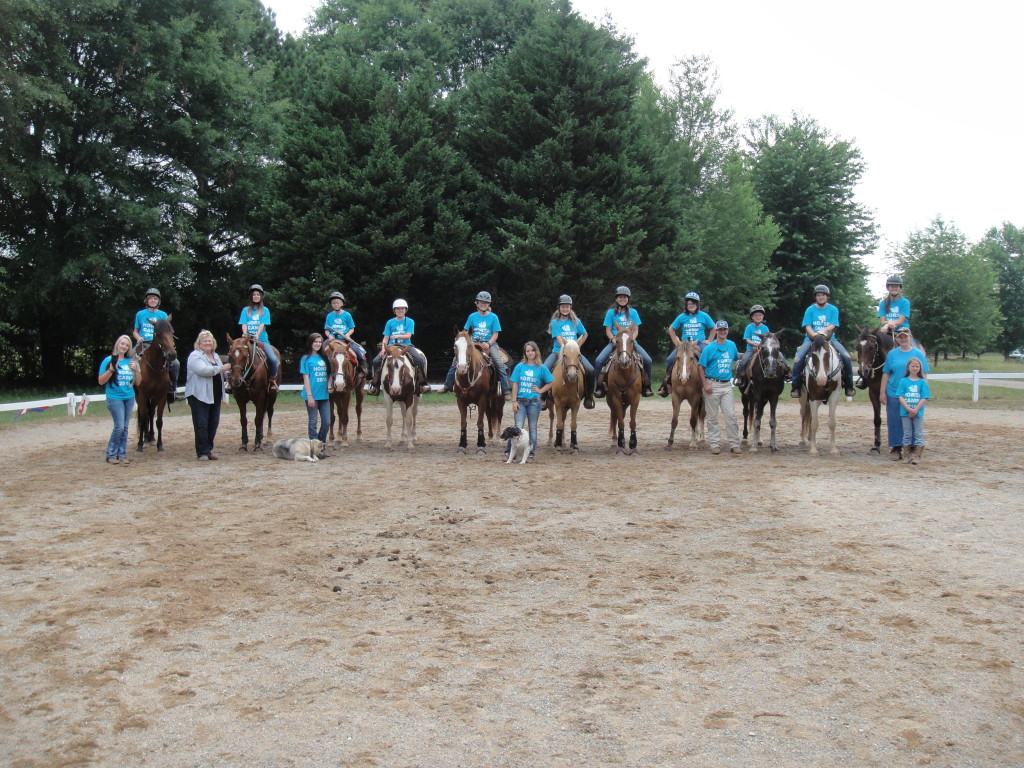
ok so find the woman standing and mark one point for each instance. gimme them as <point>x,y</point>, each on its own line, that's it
<point>204,390</point>
<point>254,321</point>
<point>530,379</point>
<point>118,374</point>
<point>316,371</point>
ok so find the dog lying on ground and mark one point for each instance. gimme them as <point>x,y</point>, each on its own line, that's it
<point>298,449</point>
<point>520,444</point>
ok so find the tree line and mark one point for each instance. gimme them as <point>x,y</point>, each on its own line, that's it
<point>423,150</point>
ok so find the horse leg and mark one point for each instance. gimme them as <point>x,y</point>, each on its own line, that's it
<point>410,422</point>
<point>346,398</point>
<point>676,403</point>
<point>481,442</point>
<point>756,414</point>
<point>359,413</point>
<point>812,436</point>
<point>620,443</point>
<point>632,430</point>
<point>140,417</point>
<point>876,404</point>
<point>271,400</point>
<point>696,422</point>
<point>160,427</point>
<point>773,404</point>
<point>833,402</point>
<point>747,414</point>
<point>388,445</point>
<point>573,447</point>
<point>245,426</point>
<point>258,427</point>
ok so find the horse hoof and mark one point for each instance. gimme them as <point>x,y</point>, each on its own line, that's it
<point>461,450</point>
<point>775,449</point>
<point>668,447</point>
<point>161,449</point>
<point>874,451</point>
<point>258,449</point>
<point>481,451</point>
<point>634,452</point>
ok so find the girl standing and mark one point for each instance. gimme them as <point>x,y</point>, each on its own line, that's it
<point>530,379</point>
<point>316,370</point>
<point>118,374</point>
<point>913,393</point>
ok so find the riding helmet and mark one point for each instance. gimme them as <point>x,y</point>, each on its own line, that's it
<point>894,280</point>
<point>153,292</point>
<point>399,303</point>
<point>692,296</point>
<point>822,289</point>
<point>256,287</point>
<point>756,308</point>
<point>336,295</point>
<point>565,298</point>
<point>623,291</point>
<point>484,296</point>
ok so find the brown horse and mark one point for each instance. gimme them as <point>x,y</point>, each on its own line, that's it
<point>250,381</point>
<point>151,393</point>
<point>872,347</point>
<point>567,390</point>
<point>476,385</point>
<point>686,384</point>
<point>398,385</point>
<point>623,388</point>
<point>347,378</point>
<point>767,377</point>
<point>822,374</point>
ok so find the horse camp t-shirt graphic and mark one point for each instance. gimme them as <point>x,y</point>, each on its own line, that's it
<point>530,378</point>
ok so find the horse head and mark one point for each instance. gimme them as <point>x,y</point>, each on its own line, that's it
<point>686,360</point>
<point>569,360</point>
<point>163,339</point>
<point>397,374</point>
<point>819,362</point>
<point>463,347</point>
<point>341,364</point>
<point>872,347</point>
<point>770,352</point>
<point>240,355</point>
<point>623,355</point>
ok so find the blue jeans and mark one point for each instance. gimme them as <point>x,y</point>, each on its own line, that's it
<point>205,420</point>
<point>121,412</point>
<point>605,353</point>
<point>893,421</point>
<point>844,356</point>
<point>913,430</point>
<point>323,410</point>
<point>528,409</point>
<point>272,361</point>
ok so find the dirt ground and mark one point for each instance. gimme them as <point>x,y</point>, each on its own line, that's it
<point>388,609</point>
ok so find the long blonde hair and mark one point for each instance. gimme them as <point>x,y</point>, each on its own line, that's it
<point>130,355</point>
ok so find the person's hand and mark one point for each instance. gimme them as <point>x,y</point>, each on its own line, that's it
<point>225,367</point>
<point>515,406</point>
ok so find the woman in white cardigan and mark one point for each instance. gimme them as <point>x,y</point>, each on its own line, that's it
<point>204,388</point>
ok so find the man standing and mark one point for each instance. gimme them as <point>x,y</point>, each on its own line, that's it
<point>716,363</point>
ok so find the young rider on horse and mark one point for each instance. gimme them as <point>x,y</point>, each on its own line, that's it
<point>821,319</point>
<point>399,330</point>
<point>894,310</point>
<point>565,326</point>
<point>254,321</point>
<point>339,325</point>
<point>755,331</point>
<point>143,333</point>
<point>621,316</point>
<point>484,327</point>
<point>692,325</point>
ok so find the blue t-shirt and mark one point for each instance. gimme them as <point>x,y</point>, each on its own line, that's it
<point>567,329</point>
<point>913,392</point>
<point>394,325</point>
<point>254,321</point>
<point>693,327</point>
<point>530,378</point>
<point>481,327</point>
<point>717,359</point>
<point>755,333</point>
<point>896,366</point>
<point>142,324</point>
<point>619,321</point>
<point>820,317</point>
<point>315,367</point>
<point>118,386</point>
<point>899,307</point>
<point>340,322</point>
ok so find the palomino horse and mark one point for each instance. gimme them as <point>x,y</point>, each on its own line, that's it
<point>476,385</point>
<point>768,374</point>
<point>872,347</point>
<point>151,393</point>
<point>567,390</point>
<point>686,385</point>
<point>822,373</point>
<point>623,391</point>
<point>347,378</point>
<point>398,385</point>
<point>250,382</point>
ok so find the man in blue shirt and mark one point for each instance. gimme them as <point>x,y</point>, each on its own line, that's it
<point>716,362</point>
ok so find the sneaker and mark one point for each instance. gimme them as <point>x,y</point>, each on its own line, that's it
<point>273,385</point>
<point>895,454</point>
<point>425,389</point>
<point>211,457</point>
<point>735,449</point>
<point>850,392</point>
<point>112,460</point>
<point>124,461</point>
<point>794,393</point>
<point>647,391</point>
<point>715,450</point>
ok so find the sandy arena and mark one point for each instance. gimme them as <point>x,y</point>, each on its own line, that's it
<point>431,610</point>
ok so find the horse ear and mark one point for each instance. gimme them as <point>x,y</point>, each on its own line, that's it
<point>169,318</point>
<point>230,340</point>
<point>457,329</point>
<point>780,331</point>
<point>151,320</point>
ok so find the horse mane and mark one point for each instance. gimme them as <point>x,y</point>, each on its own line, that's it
<point>162,326</point>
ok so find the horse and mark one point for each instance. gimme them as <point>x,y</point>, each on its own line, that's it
<point>347,378</point>
<point>822,374</point>
<point>249,381</point>
<point>767,380</point>
<point>567,390</point>
<point>398,385</point>
<point>151,393</point>
<point>872,347</point>
<point>476,385</point>
<point>623,391</point>
<point>686,385</point>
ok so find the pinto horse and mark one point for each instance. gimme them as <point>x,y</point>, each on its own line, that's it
<point>398,385</point>
<point>250,381</point>
<point>822,373</point>
<point>347,378</point>
<point>872,347</point>
<point>567,390</point>
<point>767,376</point>
<point>151,393</point>
<point>476,385</point>
<point>623,386</point>
<point>686,385</point>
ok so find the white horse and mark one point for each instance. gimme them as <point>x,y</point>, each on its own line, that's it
<point>822,374</point>
<point>398,385</point>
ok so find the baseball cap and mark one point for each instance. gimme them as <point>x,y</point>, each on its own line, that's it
<point>721,324</point>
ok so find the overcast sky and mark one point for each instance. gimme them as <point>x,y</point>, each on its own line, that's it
<point>930,92</point>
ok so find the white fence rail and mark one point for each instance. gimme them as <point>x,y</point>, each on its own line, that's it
<point>974,378</point>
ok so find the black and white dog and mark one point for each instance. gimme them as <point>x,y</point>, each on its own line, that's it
<point>520,444</point>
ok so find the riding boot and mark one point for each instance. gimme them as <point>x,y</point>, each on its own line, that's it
<point>918,453</point>
<point>663,389</point>
<point>794,391</point>
<point>861,384</point>
<point>599,389</point>
<point>896,453</point>
<point>908,455</point>
<point>647,386</point>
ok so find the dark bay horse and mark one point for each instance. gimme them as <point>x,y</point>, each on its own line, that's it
<point>685,384</point>
<point>567,391</point>
<point>347,379</point>
<point>872,348</point>
<point>623,388</point>
<point>822,374</point>
<point>768,374</point>
<point>398,385</point>
<point>250,383</point>
<point>151,393</point>
<point>476,385</point>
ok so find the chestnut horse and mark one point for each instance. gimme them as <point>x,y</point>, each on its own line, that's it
<point>347,378</point>
<point>686,384</point>
<point>623,391</point>
<point>476,385</point>
<point>822,373</point>
<point>249,381</point>
<point>872,347</point>
<point>398,385</point>
<point>151,393</point>
<point>767,375</point>
<point>567,390</point>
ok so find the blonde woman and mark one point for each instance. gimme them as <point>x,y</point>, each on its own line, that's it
<point>118,374</point>
<point>204,389</point>
<point>530,380</point>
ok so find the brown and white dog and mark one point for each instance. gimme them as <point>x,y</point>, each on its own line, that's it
<point>298,449</point>
<point>520,444</point>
